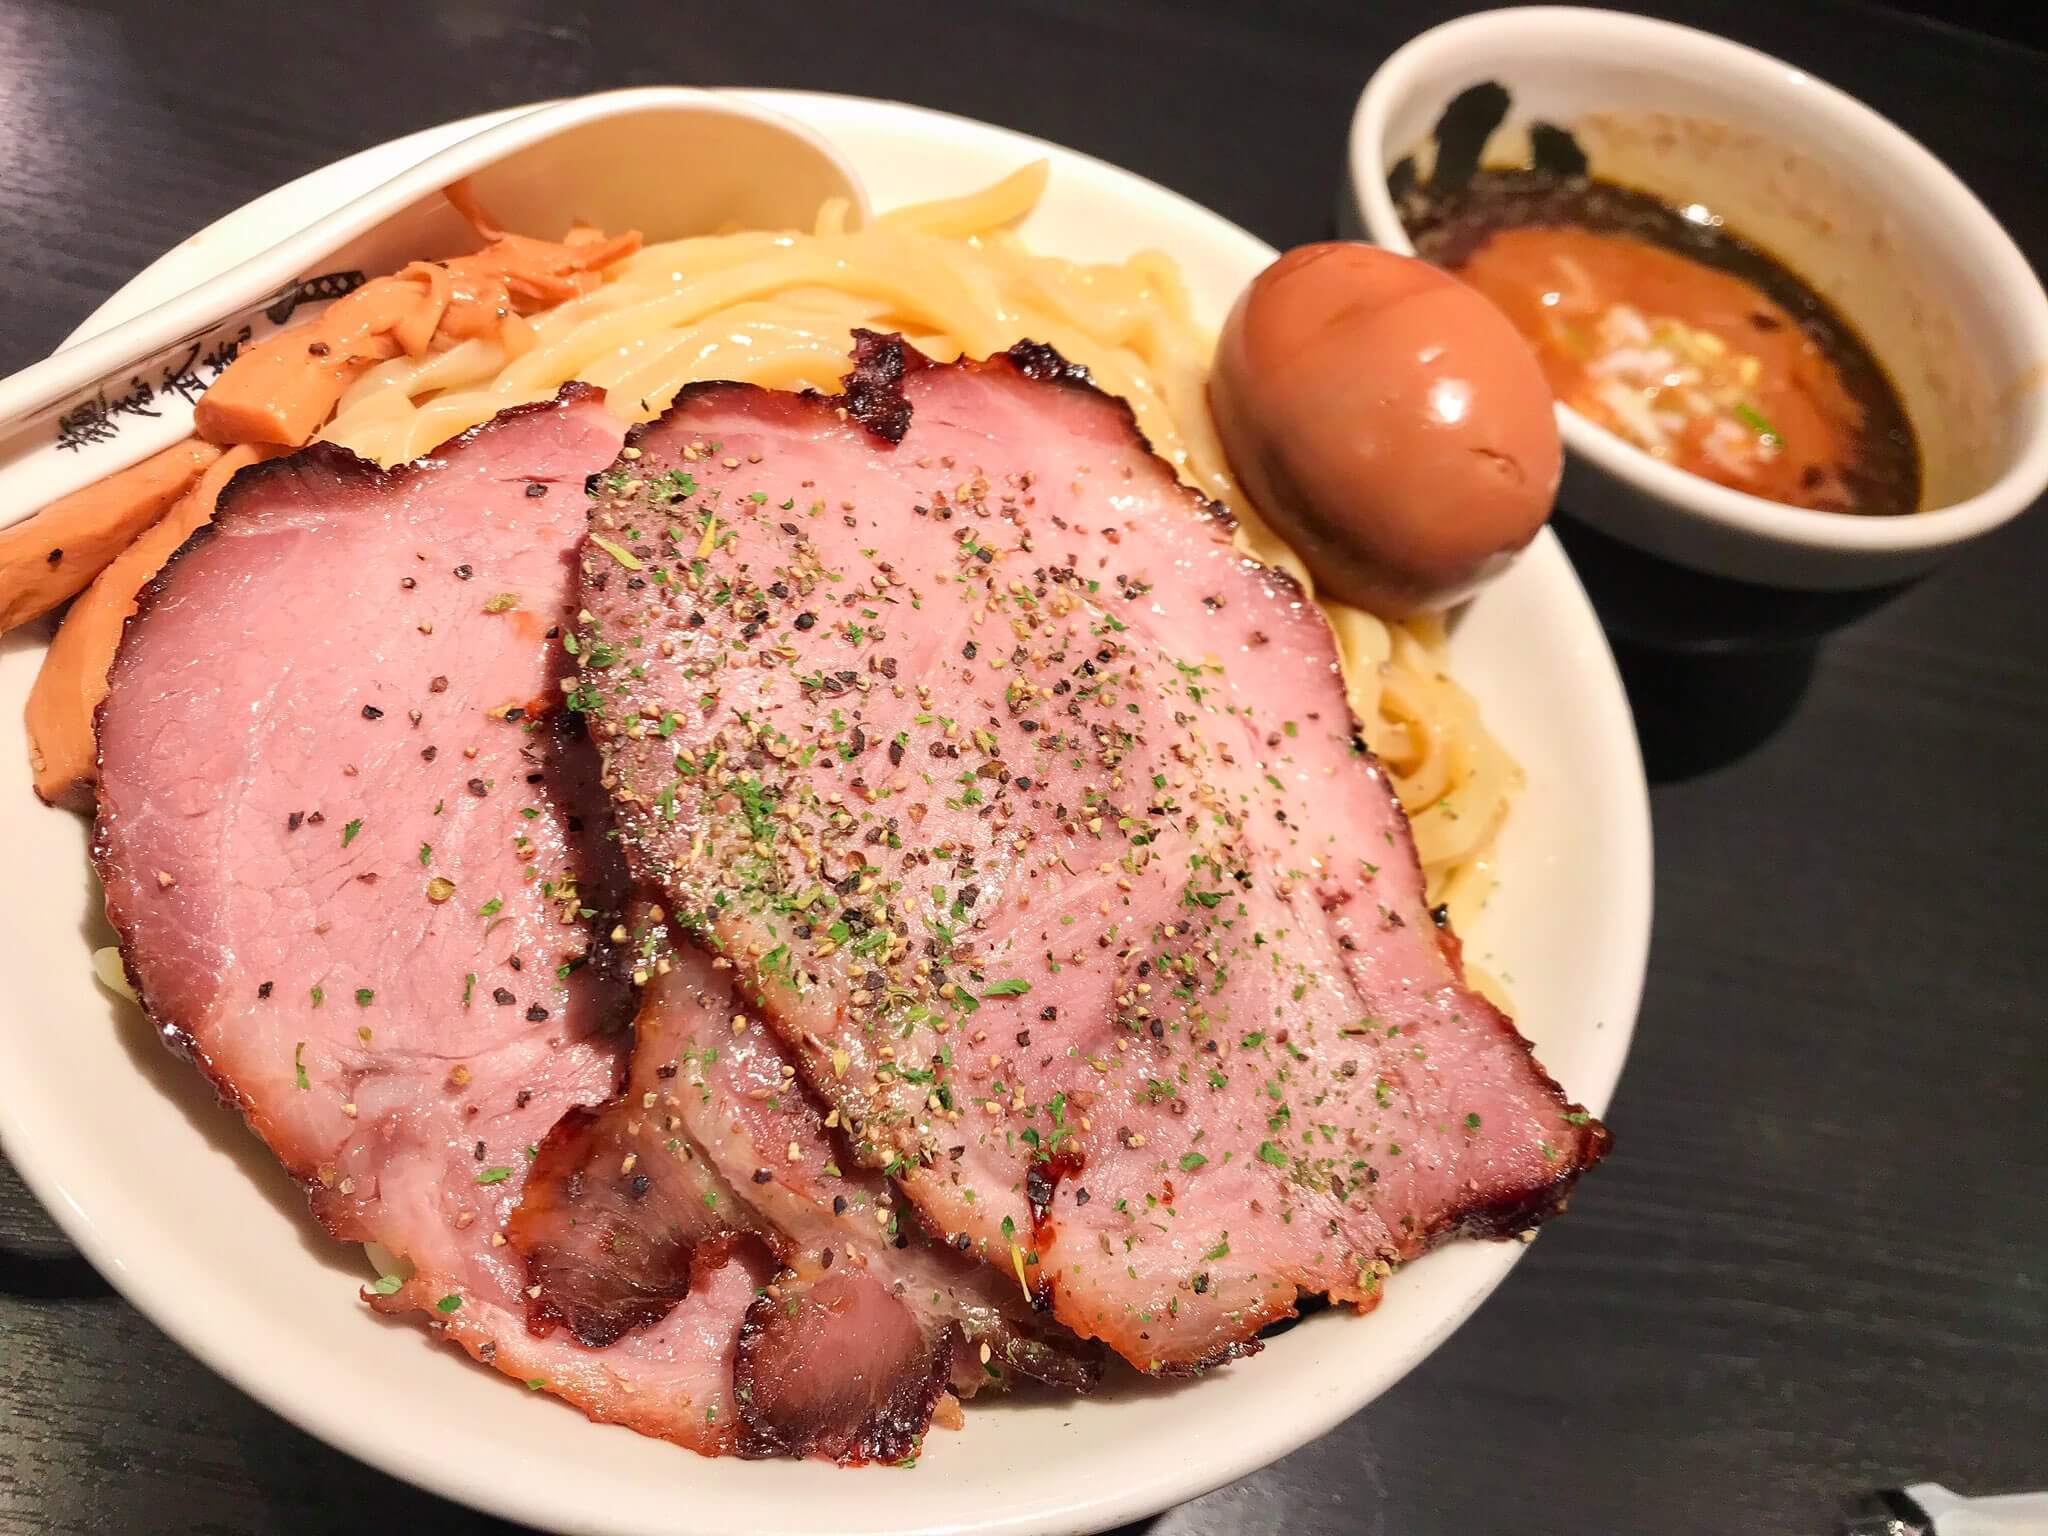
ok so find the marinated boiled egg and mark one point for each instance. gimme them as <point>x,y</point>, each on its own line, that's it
<point>1388,421</point>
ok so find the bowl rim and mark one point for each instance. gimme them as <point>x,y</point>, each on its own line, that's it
<point>1949,203</point>
<point>1604,859</point>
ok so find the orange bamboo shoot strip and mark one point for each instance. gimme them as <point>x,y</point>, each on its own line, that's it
<point>283,388</point>
<point>51,555</point>
<point>61,743</point>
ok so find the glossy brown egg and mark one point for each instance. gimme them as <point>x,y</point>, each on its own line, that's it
<point>1389,423</point>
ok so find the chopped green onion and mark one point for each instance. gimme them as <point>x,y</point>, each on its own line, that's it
<point>1754,419</point>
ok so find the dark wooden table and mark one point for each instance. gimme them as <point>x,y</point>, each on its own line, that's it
<point>1816,1263</point>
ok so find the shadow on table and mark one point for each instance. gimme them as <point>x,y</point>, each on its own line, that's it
<point>1696,713</point>
<point>1713,667</point>
<point>50,1277</point>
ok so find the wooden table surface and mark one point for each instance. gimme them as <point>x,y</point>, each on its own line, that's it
<point>1819,1259</point>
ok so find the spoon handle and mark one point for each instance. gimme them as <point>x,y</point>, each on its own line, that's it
<point>115,398</point>
<point>83,382</point>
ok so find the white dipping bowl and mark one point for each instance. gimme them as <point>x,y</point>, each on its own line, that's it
<point>1867,217</point>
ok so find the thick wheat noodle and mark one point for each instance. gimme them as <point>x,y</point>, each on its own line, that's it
<point>776,309</point>
<point>992,207</point>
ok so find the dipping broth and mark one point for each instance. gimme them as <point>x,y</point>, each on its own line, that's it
<point>1669,331</point>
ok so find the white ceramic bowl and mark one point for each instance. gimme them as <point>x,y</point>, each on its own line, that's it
<point>1862,212</point>
<point>194,1221</point>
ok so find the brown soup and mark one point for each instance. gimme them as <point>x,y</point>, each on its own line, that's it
<point>1680,337</point>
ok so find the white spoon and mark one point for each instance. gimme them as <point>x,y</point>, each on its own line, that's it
<point>667,161</point>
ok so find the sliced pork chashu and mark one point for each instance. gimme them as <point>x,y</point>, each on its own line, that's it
<point>354,859</point>
<point>714,1147</point>
<point>1031,814</point>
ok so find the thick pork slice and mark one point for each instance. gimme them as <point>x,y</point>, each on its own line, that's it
<point>1032,816</point>
<point>837,1357</point>
<point>354,858</point>
<point>716,1141</point>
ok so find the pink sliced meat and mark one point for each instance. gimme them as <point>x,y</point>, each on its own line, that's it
<point>714,1146</point>
<point>1031,815</point>
<point>353,852</point>
<point>738,1096</point>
